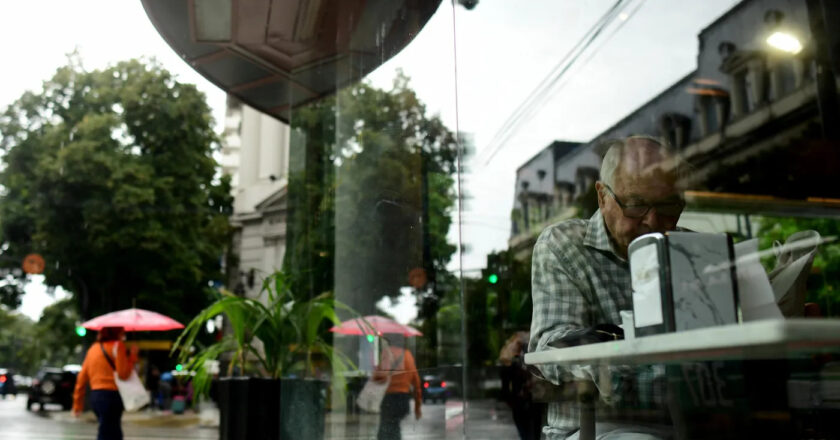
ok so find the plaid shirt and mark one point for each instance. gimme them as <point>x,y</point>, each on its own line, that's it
<point>577,281</point>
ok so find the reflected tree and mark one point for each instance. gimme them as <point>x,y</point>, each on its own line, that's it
<point>371,195</point>
<point>357,193</point>
<point>824,281</point>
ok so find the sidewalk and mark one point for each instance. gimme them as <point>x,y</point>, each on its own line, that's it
<point>484,418</point>
<point>208,417</point>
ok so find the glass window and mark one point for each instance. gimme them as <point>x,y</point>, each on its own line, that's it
<point>426,219</point>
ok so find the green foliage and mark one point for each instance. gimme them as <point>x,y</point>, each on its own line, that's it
<point>109,176</point>
<point>824,282</point>
<point>496,310</point>
<point>281,332</point>
<point>25,346</point>
<point>20,347</point>
<point>56,332</point>
<point>11,292</point>
<point>373,189</point>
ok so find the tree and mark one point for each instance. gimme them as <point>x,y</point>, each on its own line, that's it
<point>371,193</point>
<point>56,333</point>
<point>20,348</point>
<point>109,176</point>
<point>825,274</point>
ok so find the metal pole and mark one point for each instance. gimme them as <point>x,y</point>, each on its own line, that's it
<point>825,80</point>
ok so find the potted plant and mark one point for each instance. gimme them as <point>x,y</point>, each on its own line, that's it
<point>272,344</point>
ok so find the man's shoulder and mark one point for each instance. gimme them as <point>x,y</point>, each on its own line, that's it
<point>566,232</point>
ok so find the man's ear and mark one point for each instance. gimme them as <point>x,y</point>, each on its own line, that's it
<point>599,192</point>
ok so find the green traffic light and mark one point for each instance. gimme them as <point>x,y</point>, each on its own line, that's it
<point>493,278</point>
<point>179,367</point>
<point>370,338</point>
<point>81,331</point>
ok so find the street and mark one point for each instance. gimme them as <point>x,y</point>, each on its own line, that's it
<point>488,419</point>
<point>19,424</point>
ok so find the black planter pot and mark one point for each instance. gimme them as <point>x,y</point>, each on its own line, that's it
<point>266,409</point>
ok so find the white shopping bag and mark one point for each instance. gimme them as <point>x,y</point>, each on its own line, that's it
<point>134,396</point>
<point>370,398</point>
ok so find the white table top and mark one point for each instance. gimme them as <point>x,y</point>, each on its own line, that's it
<point>770,339</point>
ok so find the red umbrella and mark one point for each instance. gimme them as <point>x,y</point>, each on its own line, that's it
<point>374,325</point>
<point>134,320</point>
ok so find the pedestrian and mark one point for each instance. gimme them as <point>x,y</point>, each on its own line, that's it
<point>516,387</point>
<point>398,363</point>
<point>98,371</point>
<point>152,381</point>
<point>165,386</point>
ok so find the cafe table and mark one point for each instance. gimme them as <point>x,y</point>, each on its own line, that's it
<point>768,339</point>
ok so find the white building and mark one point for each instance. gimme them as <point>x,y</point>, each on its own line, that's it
<point>255,152</point>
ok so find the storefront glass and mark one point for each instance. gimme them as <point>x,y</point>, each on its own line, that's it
<point>422,192</point>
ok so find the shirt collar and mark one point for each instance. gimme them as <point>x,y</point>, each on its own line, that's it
<point>596,234</point>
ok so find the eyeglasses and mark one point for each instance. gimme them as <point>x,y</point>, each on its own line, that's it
<point>668,209</point>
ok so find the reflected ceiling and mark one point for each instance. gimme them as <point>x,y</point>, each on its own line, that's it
<point>278,54</point>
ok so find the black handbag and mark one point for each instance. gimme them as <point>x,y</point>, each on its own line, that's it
<point>590,335</point>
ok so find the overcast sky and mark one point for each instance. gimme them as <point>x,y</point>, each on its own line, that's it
<point>504,48</point>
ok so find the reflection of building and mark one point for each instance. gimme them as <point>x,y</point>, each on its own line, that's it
<point>255,152</point>
<point>746,120</point>
<point>747,114</point>
<point>547,187</point>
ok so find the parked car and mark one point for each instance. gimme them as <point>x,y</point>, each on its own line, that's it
<point>7,383</point>
<point>52,385</point>
<point>434,389</point>
<point>22,383</point>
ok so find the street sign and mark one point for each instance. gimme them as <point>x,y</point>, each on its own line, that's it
<point>33,264</point>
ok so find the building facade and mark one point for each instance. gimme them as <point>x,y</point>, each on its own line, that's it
<point>255,152</point>
<point>746,107</point>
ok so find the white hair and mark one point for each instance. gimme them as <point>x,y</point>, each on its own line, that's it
<point>615,152</point>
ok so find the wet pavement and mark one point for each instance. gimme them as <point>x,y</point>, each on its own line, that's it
<point>19,424</point>
<point>487,419</point>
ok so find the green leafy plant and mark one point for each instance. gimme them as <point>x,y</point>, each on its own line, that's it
<point>276,338</point>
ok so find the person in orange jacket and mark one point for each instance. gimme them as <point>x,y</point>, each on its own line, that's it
<point>398,363</point>
<point>97,370</point>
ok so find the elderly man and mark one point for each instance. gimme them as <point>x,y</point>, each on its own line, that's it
<point>580,272</point>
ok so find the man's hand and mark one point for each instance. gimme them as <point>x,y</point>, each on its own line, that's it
<point>133,350</point>
<point>77,413</point>
<point>417,412</point>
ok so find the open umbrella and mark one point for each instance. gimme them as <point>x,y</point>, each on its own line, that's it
<point>374,324</point>
<point>134,320</point>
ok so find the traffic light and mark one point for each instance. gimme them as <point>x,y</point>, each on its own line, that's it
<point>493,278</point>
<point>179,367</point>
<point>370,338</point>
<point>81,331</point>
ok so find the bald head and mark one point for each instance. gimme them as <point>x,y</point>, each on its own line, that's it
<point>635,156</point>
<point>637,171</point>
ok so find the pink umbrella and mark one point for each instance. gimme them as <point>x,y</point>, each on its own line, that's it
<point>374,324</point>
<point>134,320</point>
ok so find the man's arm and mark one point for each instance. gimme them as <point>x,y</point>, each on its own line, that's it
<point>559,303</point>
<point>125,363</point>
<point>79,390</point>
<point>411,367</point>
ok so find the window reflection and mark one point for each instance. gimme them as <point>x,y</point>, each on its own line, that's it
<point>403,158</point>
